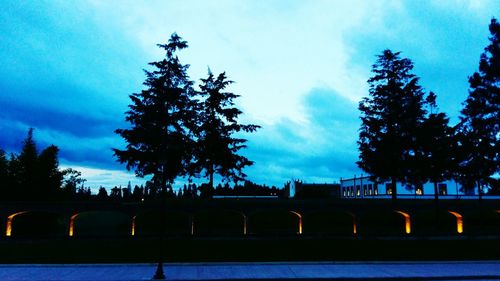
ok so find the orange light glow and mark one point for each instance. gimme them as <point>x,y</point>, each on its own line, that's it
<point>407,221</point>
<point>133,226</point>
<point>300,221</point>
<point>72,224</point>
<point>460,222</point>
<point>244,224</point>
<point>192,225</point>
<point>8,231</point>
<point>354,226</point>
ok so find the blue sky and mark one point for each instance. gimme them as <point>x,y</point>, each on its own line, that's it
<point>67,68</point>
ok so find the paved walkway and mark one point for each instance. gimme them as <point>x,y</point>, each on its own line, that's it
<point>468,270</point>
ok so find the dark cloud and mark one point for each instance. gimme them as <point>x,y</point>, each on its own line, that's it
<point>62,119</point>
<point>444,45</point>
<point>322,149</point>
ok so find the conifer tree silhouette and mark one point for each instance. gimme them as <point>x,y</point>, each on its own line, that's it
<point>217,148</point>
<point>480,118</point>
<point>391,116</point>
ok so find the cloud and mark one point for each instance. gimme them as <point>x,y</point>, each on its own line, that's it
<point>320,149</point>
<point>444,39</point>
<point>68,68</point>
<point>107,178</point>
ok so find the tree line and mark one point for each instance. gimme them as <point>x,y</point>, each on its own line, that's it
<point>34,175</point>
<point>150,192</point>
<point>404,137</point>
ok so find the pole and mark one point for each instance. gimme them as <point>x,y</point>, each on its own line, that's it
<point>159,274</point>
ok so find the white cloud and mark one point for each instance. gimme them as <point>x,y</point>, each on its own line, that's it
<point>276,51</point>
<point>106,178</point>
<point>86,57</point>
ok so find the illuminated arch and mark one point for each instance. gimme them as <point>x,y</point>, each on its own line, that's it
<point>460,222</point>
<point>191,218</point>
<point>354,225</point>
<point>72,224</point>
<point>8,231</point>
<point>300,220</point>
<point>407,221</point>
<point>245,221</point>
<point>132,231</point>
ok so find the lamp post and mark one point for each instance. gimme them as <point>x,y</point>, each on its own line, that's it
<point>159,274</point>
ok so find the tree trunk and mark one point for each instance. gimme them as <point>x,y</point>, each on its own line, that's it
<point>436,192</point>
<point>211,176</point>
<point>480,190</point>
<point>394,188</point>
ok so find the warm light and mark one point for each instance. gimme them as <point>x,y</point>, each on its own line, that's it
<point>354,226</point>
<point>8,231</point>
<point>72,223</point>
<point>300,220</point>
<point>407,221</point>
<point>133,226</point>
<point>244,224</point>
<point>460,222</point>
<point>192,225</point>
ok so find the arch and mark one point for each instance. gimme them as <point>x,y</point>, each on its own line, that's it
<point>299,222</point>
<point>407,220</point>
<point>460,222</point>
<point>8,230</point>
<point>245,222</point>
<point>132,230</point>
<point>328,222</point>
<point>99,223</point>
<point>272,222</point>
<point>220,222</point>
<point>380,221</point>
<point>36,224</point>
<point>481,220</point>
<point>171,223</point>
<point>191,222</point>
<point>354,225</point>
<point>72,224</point>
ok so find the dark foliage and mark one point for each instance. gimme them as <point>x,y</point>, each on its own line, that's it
<point>34,176</point>
<point>391,117</point>
<point>162,118</point>
<point>480,118</point>
<point>217,149</point>
<point>437,145</point>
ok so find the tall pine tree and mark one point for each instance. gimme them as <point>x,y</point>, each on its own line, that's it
<point>437,160</point>
<point>217,148</point>
<point>162,118</point>
<point>28,170</point>
<point>480,118</point>
<point>50,178</point>
<point>391,117</point>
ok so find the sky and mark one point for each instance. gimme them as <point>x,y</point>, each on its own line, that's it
<point>300,68</point>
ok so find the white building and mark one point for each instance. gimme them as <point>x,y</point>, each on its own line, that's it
<point>363,187</point>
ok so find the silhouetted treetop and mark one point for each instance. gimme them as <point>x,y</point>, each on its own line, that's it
<point>217,148</point>
<point>391,116</point>
<point>162,118</point>
<point>480,125</point>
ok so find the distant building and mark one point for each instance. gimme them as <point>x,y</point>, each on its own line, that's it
<point>364,187</point>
